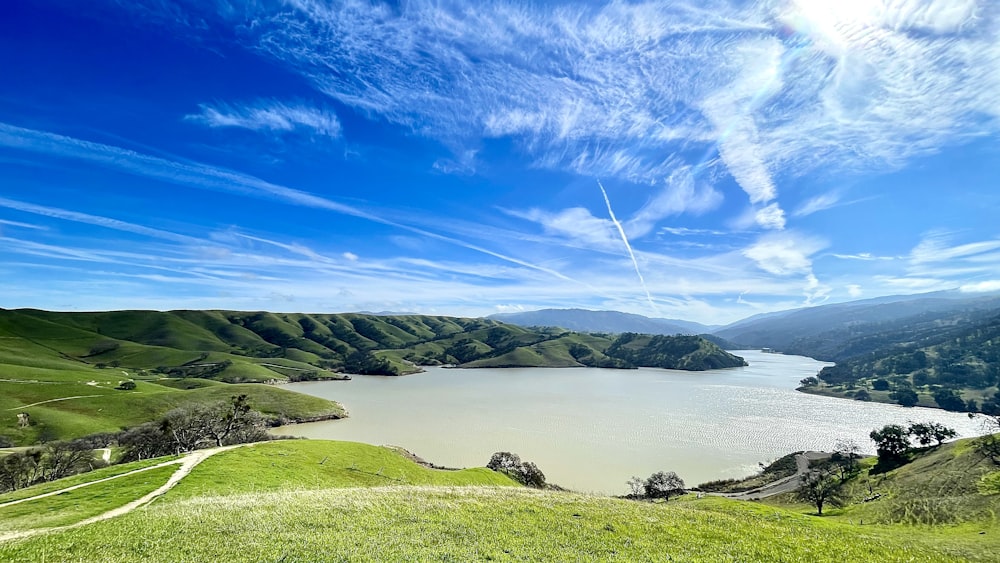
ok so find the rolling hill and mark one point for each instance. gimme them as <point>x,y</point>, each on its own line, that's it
<point>66,370</point>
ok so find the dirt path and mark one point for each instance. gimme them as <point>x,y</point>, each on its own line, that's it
<point>187,463</point>
<point>89,483</point>
<point>53,401</point>
<point>786,485</point>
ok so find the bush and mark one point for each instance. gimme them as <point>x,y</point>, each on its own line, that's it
<point>662,484</point>
<point>526,473</point>
<point>126,385</point>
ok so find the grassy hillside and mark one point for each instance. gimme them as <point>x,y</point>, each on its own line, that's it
<point>319,501</point>
<point>953,365</point>
<point>946,495</point>
<point>64,369</point>
<point>332,501</point>
<point>235,346</point>
<point>78,400</point>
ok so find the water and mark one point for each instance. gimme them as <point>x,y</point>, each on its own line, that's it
<point>591,429</point>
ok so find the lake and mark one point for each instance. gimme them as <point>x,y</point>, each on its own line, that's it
<point>591,429</point>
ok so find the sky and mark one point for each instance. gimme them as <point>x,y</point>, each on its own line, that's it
<point>701,160</point>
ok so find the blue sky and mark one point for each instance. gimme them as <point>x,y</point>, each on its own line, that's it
<point>449,157</point>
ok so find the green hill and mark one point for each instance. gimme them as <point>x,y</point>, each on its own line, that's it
<point>952,364</point>
<point>64,369</point>
<point>237,347</point>
<point>334,501</point>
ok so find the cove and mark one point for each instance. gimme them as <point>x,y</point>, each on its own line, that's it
<point>590,429</point>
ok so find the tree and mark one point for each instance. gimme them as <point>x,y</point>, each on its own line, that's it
<point>504,462</point>
<point>126,385</point>
<point>892,442</point>
<point>662,484</point>
<point>862,395</point>
<point>926,432</point>
<point>636,485</point>
<point>531,475</point>
<point>989,445</point>
<point>845,457</point>
<point>905,397</point>
<point>880,385</point>
<point>811,381</point>
<point>821,489</point>
<point>526,473</point>
<point>949,400</point>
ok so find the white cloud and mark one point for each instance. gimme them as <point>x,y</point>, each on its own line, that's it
<point>350,256</point>
<point>576,224</point>
<point>680,194</point>
<point>854,290</point>
<point>981,287</point>
<point>685,231</point>
<point>863,256</point>
<point>770,217</point>
<point>632,89</point>
<point>935,248</point>
<point>784,253</point>
<point>270,115</point>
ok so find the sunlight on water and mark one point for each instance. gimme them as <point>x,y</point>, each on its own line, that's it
<point>591,429</point>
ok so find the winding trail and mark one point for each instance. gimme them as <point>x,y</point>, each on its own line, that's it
<point>53,401</point>
<point>187,463</point>
<point>785,485</point>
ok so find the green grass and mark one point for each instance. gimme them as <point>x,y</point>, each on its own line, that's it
<point>95,475</point>
<point>461,524</point>
<point>80,504</point>
<point>112,409</point>
<point>307,500</point>
<point>318,464</point>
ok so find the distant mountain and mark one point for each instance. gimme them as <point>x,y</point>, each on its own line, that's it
<point>832,332</point>
<point>583,320</point>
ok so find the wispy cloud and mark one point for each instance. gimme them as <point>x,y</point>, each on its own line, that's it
<point>97,220</point>
<point>270,115</point>
<point>22,225</point>
<point>629,90</point>
<point>203,176</point>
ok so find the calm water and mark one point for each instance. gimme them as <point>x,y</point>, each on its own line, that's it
<point>591,429</point>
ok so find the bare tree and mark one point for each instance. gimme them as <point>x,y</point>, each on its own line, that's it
<point>636,484</point>
<point>846,454</point>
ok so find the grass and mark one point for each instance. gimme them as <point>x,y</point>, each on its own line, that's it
<point>95,475</point>
<point>460,524</point>
<point>303,500</point>
<point>80,504</point>
<point>318,464</point>
<point>112,409</point>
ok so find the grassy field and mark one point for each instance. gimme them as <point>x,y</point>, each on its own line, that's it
<point>318,464</point>
<point>306,500</point>
<point>71,403</point>
<point>77,505</point>
<point>88,477</point>
<point>410,523</point>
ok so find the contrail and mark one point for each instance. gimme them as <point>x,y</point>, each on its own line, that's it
<point>628,246</point>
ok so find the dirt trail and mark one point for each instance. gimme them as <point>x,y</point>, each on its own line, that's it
<point>187,463</point>
<point>786,485</point>
<point>89,483</point>
<point>53,401</point>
